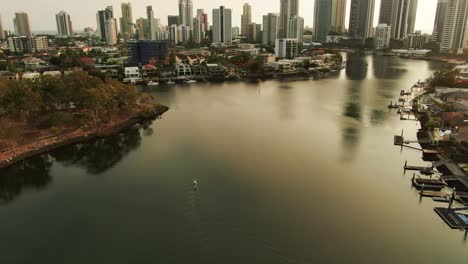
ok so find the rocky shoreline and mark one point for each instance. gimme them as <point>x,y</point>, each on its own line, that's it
<point>75,137</point>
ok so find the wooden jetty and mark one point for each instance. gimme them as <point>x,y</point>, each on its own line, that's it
<point>451,218</point>
<point>393,106</point>
<point>428,184</point>
<point>423,170</point>
<point>434,194</point>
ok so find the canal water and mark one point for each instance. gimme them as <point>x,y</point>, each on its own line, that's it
<point>298,171</point>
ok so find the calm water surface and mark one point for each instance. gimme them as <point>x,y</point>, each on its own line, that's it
<point>289,172</point>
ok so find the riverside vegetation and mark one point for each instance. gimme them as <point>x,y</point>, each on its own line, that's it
<point>78,102</point>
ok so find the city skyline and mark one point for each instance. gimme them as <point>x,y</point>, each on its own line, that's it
<point>83,13</point>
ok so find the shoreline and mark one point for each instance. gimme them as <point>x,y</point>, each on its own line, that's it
<point>46,145</point>
<point>439,58</point>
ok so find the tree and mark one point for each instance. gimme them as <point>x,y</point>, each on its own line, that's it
<point>433,123</point>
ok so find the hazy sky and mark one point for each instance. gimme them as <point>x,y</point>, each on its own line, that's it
<point>83,12</point>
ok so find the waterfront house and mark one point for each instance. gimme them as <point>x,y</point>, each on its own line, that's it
<point>111,71</point>
<point>199,70</point>
<point>149,71</point>
<point>454,97</point>
<point>31,76</point>
<point>183,70</point>
<point>463,75</point>
<point>216,71</point>
<point>7,75</point>
<point>52,73</point>
<point>132,75</point>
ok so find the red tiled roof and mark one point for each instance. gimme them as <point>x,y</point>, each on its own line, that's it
<point>448,117</point>
<point>149,67</point>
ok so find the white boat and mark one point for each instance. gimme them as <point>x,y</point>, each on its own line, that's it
<point>195,185</point>
<point>191,81</point>
<point>151,83</point>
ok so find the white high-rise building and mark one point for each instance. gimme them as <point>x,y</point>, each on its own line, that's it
<point>286,48</point>
<point>186,13</point>
<point>454,28</point>
<point>111,31</point>
<point>64,24</point>
<point>400,15</point>
<point>246,19</point>
<point>296,28</point>
<point>270,28</point>
<point>413,10</point>
<point>152,22</point>
<point>439,21</point>
<point>382,36</point>
<point>222,25</point>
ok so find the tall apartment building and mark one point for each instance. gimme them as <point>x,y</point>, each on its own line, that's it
<point>270,29</point>
<point>439,21</point>
<point>24,44</point>
<point>296,28</point>
<point>152,22</point>
<point>338,16</point>
<point>246,18</point>
<point>199,26</point>
<point>102,16</point>
<point>21,24</point>
<point>126,21</point>
<point>111,31</point>
<point>322,19</point>
<point>2,33</point>
<point>361,20</point>
<point>413,10</point>
<point>186,13</point>
<point>454,28</point>
<point>288,9</point>
<point>254,33</point>
<point>222,25</point>
<point>64,24</point>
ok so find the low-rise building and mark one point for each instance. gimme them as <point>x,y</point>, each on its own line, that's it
<point>132,74</point>
<point>286,48</point>
<point>216,70</point>
<point>7,75</point>
<point>52,73</point>
<point>382,36</point>
<point>31,76</point>
<point>149,71</point>
<point>32,63</point>
<point>183,70</point>
<point>418,40</point>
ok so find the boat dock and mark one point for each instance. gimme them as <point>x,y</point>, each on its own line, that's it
<point>450,217</point>
<point>443,195</point>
